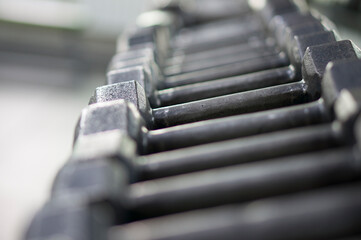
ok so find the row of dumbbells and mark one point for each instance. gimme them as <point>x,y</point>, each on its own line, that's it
<point>244,126</point>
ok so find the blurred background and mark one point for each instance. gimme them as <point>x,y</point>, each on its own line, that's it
<point>52,56</point>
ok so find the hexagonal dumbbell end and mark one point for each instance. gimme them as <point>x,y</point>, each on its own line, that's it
<point>277,7</point>
<point>316,59</point>
<point>348,106</point>
<point>280,22</point>
<point>297,47</point>
<point>140,36</point>
<point>110,145</point>
<point>129,91</point>
<point>287,33</point>
<point>95,179</point>
<point>115,115</point>
<point>147,51</point>
<point>72,218</point>
<point>141,75</point>
<point>340,76</point>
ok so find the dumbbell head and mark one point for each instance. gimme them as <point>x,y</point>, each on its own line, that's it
<point>103,177</point>
<point>117,115</point>
<point>341,91</point>
<point>141,76</point>
<point>146,59</point>
<point>130,91</point>
<point>316,59</point>
<point>297,46</point>
<point>148,51</point>
<point>340,77</point>
<point>71,217</point>
<point>283,23</point>
<point>277,7</point>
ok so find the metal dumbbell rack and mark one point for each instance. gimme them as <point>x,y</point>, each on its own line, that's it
<point>217,126</point>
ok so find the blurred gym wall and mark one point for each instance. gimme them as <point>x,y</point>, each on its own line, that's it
<point>52,56</point>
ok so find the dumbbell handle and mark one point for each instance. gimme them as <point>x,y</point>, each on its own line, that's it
<point>222,42</point>
<point>238,103</point>
<point>243,182</point>
<point>241,48</point>
<point>218,61</point>
<point>197,91</point>
<point>247,124</point>
<point>322,214</point>
<point>202,37</point>
<point>228,70</point>
<point>241,150</point>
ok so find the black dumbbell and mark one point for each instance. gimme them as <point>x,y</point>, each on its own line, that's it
<point>111,145</point>
<point>256,45</point>
<point>305,18</point>
<point>324,213</point>
<point>218,61</point>
<point>73,218</point>
<point>192,41</point>
<point>237,26</point>
<point>101,179</point>
<point>231,69</point>
<point>331,213</point>
<point>238,183</point>
<point>117,115</point>
<point>248,65</point>
<point>195,54</point>
<point>192,92</point>
<point>204,37</point>
<point>197,133</point>
<point>309,25</point>
<point>151,196</point>
<point>278,7</point>
<point>306,90</point>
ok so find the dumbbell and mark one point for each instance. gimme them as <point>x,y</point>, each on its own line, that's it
<point>232,26</point>
<point>245,102</point>
<point>192,92</point>
<point>117,116</point>
<point>330,213</point>
<point>197,12</point>
<point>310,25</point>
<point>324,213</point>
<point>121,60</point>
<point>100,177</point>
<point>234,184</point>
<point>304,17</point>
<point>255,45</point>
<point>195,42</point>
<point>278,7</point>
<point>321,135</point>
<point>250,65</point>
<point>232,69</point>
<point>197,133</point>
<point>202,37</point>
<point>206,188</point>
